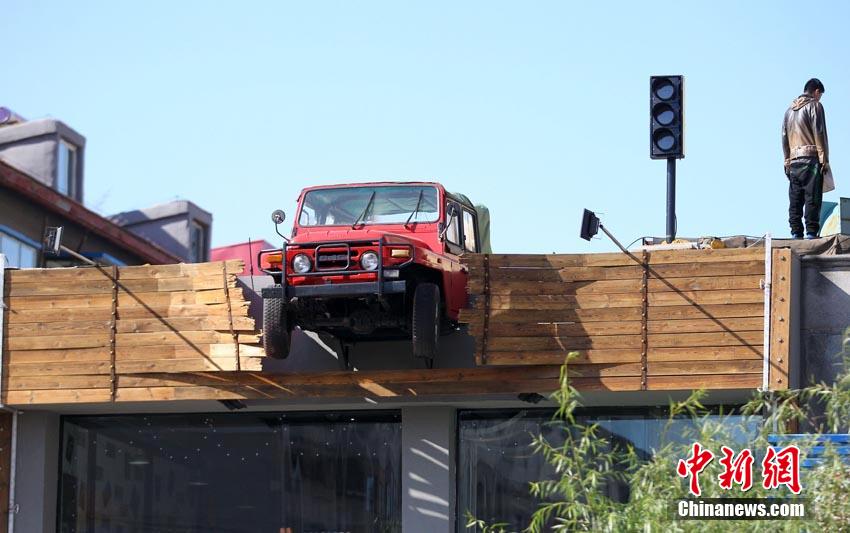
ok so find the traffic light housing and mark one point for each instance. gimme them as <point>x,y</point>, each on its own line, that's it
<point>666,117</point>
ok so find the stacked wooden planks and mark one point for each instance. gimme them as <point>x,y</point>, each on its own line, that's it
<point>74,332</point>
<point>660,320</point>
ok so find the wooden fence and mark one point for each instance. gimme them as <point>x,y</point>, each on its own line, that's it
<point>70,334</point>
<point>661,320</point>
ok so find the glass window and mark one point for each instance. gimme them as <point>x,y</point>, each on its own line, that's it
<point>66,168</point>
<point>453,231</point>
<point>469,231</point>
<point>496,462</point>
<point>390,204</point>
<point>236,472</point>
<point>18,253</point>
<point>197,242</point>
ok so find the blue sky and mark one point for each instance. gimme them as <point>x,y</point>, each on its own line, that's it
<point>535,109</point>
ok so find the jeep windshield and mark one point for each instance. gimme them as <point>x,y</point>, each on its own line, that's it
<point>385,204</point>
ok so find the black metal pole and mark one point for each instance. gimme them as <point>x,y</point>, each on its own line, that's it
<point>671,199</point>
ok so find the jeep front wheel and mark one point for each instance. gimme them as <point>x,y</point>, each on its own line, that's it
<point>426,321</point>
<point>276,331</point>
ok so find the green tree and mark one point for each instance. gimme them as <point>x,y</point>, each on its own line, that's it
<point>586,463</point>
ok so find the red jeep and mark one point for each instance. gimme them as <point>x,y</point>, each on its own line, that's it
<point>372,261</point>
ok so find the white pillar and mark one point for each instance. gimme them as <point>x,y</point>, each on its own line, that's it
<point>428,469</point>
<point>37,472</point>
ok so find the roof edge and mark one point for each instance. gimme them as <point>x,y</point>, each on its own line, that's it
<point>43,195</point>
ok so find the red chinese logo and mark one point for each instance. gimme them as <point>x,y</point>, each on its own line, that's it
<point>779,467</point>
<point>736,469</point>
<point>782,468</point>
<point>693,465</point>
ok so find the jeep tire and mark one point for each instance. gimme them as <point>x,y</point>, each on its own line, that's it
<point>426,322</point>
<point>276,330</point>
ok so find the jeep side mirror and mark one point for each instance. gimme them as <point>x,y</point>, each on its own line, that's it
<point>278,216</point>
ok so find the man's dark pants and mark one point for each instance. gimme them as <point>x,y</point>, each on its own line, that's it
<point>805,188</point>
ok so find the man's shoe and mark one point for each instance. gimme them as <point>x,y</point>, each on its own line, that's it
<point>811,236</point>
<point>797,236</point>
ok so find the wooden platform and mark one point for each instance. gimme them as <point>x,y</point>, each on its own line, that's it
<point>660,321</point>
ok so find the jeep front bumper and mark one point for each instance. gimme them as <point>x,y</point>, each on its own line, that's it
<point>336,290</point>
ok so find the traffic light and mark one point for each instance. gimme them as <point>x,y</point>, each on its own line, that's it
<point>667,117</point>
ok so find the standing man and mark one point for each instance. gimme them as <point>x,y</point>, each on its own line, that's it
<point>806,151</point>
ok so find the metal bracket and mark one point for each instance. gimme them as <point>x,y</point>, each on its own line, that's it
<point>113,331</point>
<point>768,276</point>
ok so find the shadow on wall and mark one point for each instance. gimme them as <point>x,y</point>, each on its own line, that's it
<point>311,352</point>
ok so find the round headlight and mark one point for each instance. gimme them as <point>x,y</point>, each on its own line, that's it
<point>369,261</point>
<point>301,264</point>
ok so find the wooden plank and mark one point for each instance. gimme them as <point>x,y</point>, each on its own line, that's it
<point>512,316</point>
<point>136,299</point>
<point>162,351</point>
<point>52,396</point>
<point>13,383</point>
<point>39,275</point>
<point>560,329</point>
<point>29,316</point>
<point>780,311</point>
<point>507,316</point>
<point>123,340</point>
<point>680,340</point>
<point>555,357</point>
<point>704,381</point>
<point>680,368</point>
<point>618,286</point>
<point>706,353</point>
<point>598,301</point>
<point>632,272</point>
<point>144,325</point>
<point>580,329</point>
<point>138,366</point>
<point>705,325</point>
<point>558,357</point>
<point>618,259</point>
<point>104,286</point>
